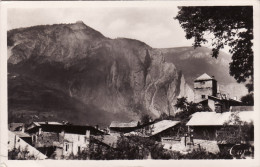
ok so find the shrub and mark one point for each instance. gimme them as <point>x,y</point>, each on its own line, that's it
<point>18,154</point>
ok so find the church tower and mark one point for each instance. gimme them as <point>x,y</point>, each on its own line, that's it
<point>204,86</point>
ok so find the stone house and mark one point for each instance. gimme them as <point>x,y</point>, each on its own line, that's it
<point>204,86</point>
<point>208,125</point>
<point>206,93</point>
<point>60,139</point>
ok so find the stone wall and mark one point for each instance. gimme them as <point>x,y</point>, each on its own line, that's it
<point>46,139</point>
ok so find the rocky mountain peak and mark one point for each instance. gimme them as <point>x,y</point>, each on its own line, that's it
<point>101,79</point>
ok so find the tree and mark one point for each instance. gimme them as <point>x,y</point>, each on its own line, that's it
<point>145,118</point>
<point>238,134</point>
<point>248,99</point>
<point>19,154</point>
<point>236,131</point>
<point>231,26</point>
<point>188,108</point>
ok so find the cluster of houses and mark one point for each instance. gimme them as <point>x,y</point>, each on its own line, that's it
<point>54,139</point>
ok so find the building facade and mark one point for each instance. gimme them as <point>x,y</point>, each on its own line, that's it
<point>206,93</point>
<point>204,86</point>
<point>61,140</point>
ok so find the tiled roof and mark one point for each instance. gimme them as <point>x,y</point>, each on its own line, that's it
<point>136,133</point>
<point>109,140</point>
<point>242,108</point>
<point>155,128</point>
<point>217,119</point>
<point>74,129</point>
<point>116,124</point>
<point>50,123</point>
<point>204,77</point>
<point>21,134</point>
<point>13,126</point>
<point>163,125</point>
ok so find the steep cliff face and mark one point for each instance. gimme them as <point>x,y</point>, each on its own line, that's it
<point>122,78</point>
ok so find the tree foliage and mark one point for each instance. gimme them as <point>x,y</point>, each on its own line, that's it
<point>248,99</point>
<point>188,108</point>
<point>236,131</point>
<point>134,147</point>
<point>230,26</point>
<point>19,154</point>
<point>145,119</point>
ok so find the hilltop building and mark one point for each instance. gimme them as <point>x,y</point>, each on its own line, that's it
<point>206,93</point>
<point>206,128</point>
<point>204,86</point>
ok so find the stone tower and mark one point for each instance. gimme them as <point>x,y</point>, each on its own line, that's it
<point>204,86</point>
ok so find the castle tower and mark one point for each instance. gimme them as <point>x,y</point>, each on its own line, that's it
<point>204,86</point>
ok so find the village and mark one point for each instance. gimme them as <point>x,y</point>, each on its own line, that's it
<point>217,128</point>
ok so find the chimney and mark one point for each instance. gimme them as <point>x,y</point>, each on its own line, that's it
<point>62,133</point>
<point>46,122</point>
<point>213,76</point>
<point>108,130</point>
<point>23,128</point>
<point>227,95</point>
<point>87,134</point>
<point>235,98</point>
<point>61,136</point>
<point>79,22</point>
<point>40,131</point>
<point>97,127</point>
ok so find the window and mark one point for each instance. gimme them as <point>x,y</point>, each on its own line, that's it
<point>34,138</point>
<point>66,147</point>
<point>78,148</point>
<point>203,96</point>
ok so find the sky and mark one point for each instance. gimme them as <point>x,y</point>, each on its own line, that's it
<point>155,26</point>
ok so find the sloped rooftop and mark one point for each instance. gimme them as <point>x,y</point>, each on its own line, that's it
<point>21,134</point>
<point>50,123</point>
<point>109,140</point>
<point>204,77</point>
<point>217,119</point>
<point>156,128</point>
<point>58,128</point>
<point>116,124</point>
<point>163,125</point>
<point>14,126</point>
<point>242,108</point>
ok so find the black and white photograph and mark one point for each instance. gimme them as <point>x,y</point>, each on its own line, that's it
<point>129,81</point>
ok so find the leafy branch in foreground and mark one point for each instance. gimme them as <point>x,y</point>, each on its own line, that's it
<point>230,26</point>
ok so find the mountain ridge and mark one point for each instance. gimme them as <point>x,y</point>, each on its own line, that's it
<point>114,76</point>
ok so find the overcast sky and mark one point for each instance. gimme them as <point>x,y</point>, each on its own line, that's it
<point>154,26</point>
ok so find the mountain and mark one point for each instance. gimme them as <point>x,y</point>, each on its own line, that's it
<point>72,72</point>
<point>194,62</point>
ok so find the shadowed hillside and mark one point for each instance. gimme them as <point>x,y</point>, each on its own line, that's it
<point>75,73</point>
